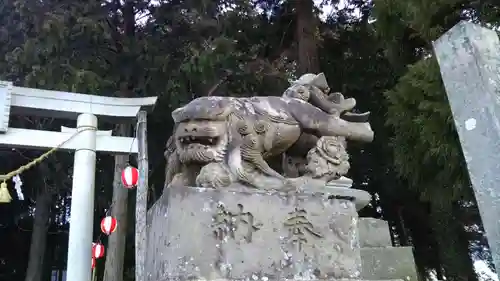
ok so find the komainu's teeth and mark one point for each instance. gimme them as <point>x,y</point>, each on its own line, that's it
<point>210,140</point>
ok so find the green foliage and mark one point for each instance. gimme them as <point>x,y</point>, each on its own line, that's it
<point>426,148</point>
<point>63,49</point>
<point>407,28</point>
<point>427,154</point>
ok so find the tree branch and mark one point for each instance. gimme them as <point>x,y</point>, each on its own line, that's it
<point>214,88</point>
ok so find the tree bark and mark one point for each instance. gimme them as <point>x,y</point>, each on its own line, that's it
<point>115,253</point>
<point>116,244</point>
<point>307,42</point>
<point>39,236</point>
<point>453,253</point>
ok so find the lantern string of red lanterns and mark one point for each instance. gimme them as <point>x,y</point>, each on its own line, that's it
<point>108,225</point>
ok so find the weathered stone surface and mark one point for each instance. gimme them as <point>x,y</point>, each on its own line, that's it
<point>218,141</point>
<point>374,233</point>
<point>235,234</point>
<point>388,263</point>
<point>469,61</point>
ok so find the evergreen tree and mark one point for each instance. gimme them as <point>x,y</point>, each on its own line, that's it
<point>427,154</point>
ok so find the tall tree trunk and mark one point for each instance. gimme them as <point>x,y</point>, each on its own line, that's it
<point>116,244</point>
<point>453,253</point>
<point>307,24</point>
<point>39,236</point>
<point>115,253</point>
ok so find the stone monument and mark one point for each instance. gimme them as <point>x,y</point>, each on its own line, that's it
<point>469,61</point>
<point>228,214</point>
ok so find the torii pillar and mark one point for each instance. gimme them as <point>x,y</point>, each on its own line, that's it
<point>86,109</point>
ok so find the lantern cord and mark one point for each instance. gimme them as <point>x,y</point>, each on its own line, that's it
<point>107,213</point>
<point>110,209</point>
<point>132,143</point>
<point>93,272</point>
<point>4,178</point>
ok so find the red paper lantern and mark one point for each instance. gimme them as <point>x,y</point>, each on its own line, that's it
<point>130,177</point>
<point>93,263</point>
<point>97,250</point>
<point>108,225</point>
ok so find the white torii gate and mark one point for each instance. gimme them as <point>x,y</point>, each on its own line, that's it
<point>86,109</point>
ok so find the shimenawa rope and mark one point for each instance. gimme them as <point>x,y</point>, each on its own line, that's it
<point>4,192</point>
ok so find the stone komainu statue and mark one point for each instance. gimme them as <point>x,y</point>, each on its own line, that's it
<point>218,141</point>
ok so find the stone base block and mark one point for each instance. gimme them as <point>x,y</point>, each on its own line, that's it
<point>388,263</point>
<point>374,233</point>
<point>247,234</point>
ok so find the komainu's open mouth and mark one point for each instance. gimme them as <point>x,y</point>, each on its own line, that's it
<point>187,140</point>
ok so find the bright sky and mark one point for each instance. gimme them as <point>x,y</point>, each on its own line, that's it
<point>327,9</point>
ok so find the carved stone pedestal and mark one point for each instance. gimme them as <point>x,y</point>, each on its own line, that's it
<point>247,234</point>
